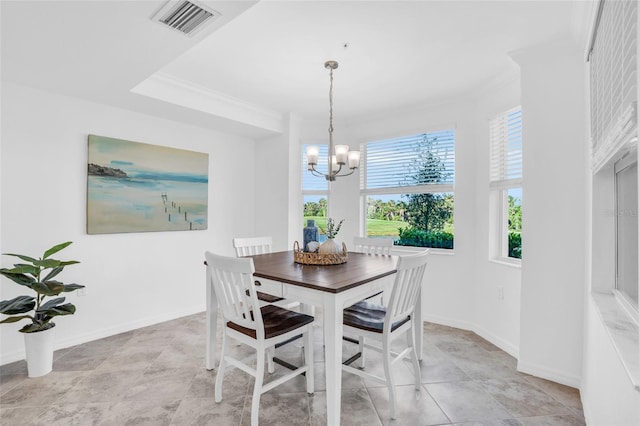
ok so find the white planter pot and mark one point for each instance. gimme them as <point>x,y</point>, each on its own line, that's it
<point>39,347</point>
<point>330,247</point>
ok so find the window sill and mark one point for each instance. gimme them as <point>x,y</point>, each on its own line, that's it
<point>623,332</point>
<point>404,250</point>
<point>507,261</point>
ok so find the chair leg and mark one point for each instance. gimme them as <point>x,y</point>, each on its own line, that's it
<point>257,387</point>
<point>308,358</point>
<point>271,353</point>
<point>361,350</point>
<point>386,360</point>
<point>414,359</point>
<point>221,368</point>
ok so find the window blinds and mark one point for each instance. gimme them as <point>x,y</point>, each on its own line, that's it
<point>309,181</point>
<point>613,79</point>
<point>505,134</point>
<point>426,159</point>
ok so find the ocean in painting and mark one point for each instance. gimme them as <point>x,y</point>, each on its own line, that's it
<point>134,187</point>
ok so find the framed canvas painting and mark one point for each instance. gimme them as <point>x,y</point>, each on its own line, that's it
<point>139,187</point>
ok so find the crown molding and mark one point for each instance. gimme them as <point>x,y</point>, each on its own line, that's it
<point>168,88</point>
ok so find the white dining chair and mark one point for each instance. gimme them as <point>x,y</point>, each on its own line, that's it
<point>259,327</point>
<point>372,322</point>
<point>258,245</point>
<point>369,245</point>
<point>372,245</point>
<point>251,246</point>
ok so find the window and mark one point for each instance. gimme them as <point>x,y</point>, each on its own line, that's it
<point>406,188</point>
<point>613,85</point>
<point>612,63</point>
<point>626,195</point>
<point>506,184</point>
<point>613,79</point>
<point>315,191</point>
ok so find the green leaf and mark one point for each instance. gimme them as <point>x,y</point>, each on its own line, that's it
<point>21,256</point>
<point>50,304</point>
<point>55,249</point>
<point>18,305</point>
<point>20,268</point>
<point>72,287</point>
<point>53,273</point>
<point>14,319</point>
<point>18,278</point>
<point>52,288</point>
<point>66,309</point>
<point>56,287</point>
<point>47,263</point>
<point>68,262</point>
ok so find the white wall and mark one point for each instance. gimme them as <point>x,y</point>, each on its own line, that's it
<point>554,210</point>
<point>132,279</point>
<point>495,319</point>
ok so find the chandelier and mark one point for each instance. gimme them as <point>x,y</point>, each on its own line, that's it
<point>339,155</point>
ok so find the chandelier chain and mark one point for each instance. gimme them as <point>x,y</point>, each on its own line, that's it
<point>331,105</point>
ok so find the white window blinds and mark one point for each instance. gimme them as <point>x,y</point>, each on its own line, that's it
<point>423,160</point>
<point>613,78</point>
<point>310,182</point>
<point>506,149</point>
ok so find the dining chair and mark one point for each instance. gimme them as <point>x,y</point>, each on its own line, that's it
<point>372,322</point>
<point>258,245</point>
<point>373,246</point>
<point>259,327</point>
<point>251,246</point>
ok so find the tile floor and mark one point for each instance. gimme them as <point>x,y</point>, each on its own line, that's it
<point>156,376</point>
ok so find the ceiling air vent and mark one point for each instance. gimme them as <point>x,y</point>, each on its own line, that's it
<point>188,17</point>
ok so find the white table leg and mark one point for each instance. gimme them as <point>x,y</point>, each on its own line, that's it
<point>333,357</point>
<point>212,324</point>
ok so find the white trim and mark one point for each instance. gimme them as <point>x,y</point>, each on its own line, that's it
<point>622,331</point>
<point>510,348</point>
<point>406,250</point>
<point>625,303</point>
<point>507,261</point>
<point>549,374</point>
<point>168,88</point>
<point>506,346</point>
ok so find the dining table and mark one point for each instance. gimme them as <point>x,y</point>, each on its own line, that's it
<point>329,287</point>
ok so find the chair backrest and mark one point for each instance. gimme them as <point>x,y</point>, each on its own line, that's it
<point>233,283</point>
<point>372,245</point>
<point>252,246</point>
<point>406,287</point>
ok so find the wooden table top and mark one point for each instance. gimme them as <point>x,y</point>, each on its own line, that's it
<point>359,269</point>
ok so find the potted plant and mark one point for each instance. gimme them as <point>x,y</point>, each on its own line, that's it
<point>38,333</point>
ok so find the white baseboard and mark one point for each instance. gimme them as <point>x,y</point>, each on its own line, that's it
<point>586,409</point>
<point>19,354</point>
<point>549,374</point>
<point>449,322</point>
<point>506,346</point>
<point>509,348</point>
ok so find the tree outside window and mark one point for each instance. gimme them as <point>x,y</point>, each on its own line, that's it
<point>408,187</point>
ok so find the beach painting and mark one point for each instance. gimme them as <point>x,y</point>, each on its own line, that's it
<point>139,187</point>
